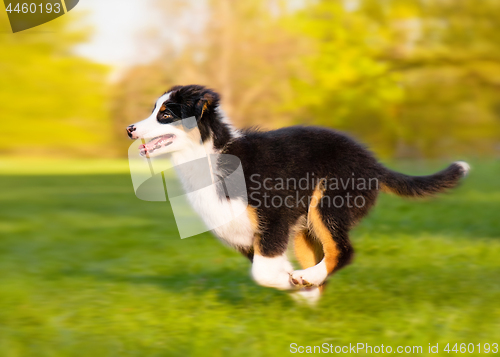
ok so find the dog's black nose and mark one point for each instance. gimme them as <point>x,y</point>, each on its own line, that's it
<point>130,130</point>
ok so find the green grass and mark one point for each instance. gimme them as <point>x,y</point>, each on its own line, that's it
<point>86,269</point>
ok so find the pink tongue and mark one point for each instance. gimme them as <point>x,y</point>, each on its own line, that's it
<point>151,145</point>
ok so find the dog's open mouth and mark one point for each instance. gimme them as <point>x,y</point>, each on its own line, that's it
<point>156,144</point>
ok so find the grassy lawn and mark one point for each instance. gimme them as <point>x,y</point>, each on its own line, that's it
<point>86,269</point>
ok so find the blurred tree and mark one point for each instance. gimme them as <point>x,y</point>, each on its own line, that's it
<point>449,57</point>
<point>423,76</point>
<point>242,51</point>
<point>411,78</point>
<point>52,102</point>
<point>342,83</point>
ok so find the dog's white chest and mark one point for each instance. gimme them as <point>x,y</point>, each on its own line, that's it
<point>227,218</point>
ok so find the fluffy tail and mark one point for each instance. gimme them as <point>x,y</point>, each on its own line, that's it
<point>421,186</point>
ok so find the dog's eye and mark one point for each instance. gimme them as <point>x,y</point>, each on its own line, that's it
<point>166,116</point>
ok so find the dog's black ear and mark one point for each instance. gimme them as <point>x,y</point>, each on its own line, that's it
<point>204,104</point>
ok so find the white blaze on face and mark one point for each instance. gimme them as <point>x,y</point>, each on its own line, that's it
<point>151,124</point>
<point>163,138</point>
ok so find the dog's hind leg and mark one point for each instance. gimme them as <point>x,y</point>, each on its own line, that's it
<point>308,251</point>
<point>328,227</point>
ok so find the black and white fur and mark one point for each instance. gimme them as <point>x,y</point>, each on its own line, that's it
<point>263,233</point>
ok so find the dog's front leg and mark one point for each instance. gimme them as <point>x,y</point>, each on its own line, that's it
<point>271,268</point>
<point>272,272</point>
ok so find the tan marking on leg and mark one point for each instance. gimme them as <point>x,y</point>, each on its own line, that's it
<point>256,244</point>
<point>307,250</point>
<point>254,218</point>
<point>254,221</point>
<point>317,226</point>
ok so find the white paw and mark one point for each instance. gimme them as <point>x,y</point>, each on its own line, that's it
<point>314,276</point>
<point>272,272</point>
<point>277,280</point>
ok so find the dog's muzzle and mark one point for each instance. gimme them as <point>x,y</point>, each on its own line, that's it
<point>130,130</point>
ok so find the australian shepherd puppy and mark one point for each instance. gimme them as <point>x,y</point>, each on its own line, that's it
<point>305,185</point>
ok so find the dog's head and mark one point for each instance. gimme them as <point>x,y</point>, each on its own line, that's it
<point>175,115</point>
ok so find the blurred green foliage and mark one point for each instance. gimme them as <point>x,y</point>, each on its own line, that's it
<point>52,102</point>
<point>413,78</point>
<point>410,78</point>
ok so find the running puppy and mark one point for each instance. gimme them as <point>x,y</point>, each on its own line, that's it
<point>308,185</point>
